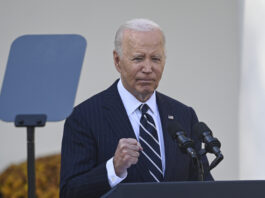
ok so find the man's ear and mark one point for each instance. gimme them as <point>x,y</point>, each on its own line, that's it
<point>117,60</point>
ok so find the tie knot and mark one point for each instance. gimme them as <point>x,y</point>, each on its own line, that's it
<point>143,108</point>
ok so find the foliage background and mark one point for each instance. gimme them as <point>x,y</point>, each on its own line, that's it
<point>13,181</point>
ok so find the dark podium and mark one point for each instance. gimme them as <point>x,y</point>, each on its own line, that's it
<point>206,189</point>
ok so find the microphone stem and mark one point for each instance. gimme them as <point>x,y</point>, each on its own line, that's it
<point>200,169</point>
<point>197,162</point>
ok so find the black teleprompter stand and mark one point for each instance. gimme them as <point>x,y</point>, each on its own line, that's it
<point>40,84</point>
<point>31,121</point>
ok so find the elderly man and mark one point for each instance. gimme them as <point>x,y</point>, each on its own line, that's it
<point>120,134</point>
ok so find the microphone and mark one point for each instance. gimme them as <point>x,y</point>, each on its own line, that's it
<point>185,144</point>
<point>204,133</point>
<point>212,144</point>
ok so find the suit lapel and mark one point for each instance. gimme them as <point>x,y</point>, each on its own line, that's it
<point>170,145</point>
<point>176,161</point>
<point>116,114</point>
<point>118,120</point>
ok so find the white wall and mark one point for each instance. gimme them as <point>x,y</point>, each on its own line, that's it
<point>202,68</point>
<point>252,92</point>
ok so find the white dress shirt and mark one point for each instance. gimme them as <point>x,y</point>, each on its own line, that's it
<point>131,105</point>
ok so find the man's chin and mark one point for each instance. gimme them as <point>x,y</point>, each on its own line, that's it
<point>144,94</point>
<point>145,89</point>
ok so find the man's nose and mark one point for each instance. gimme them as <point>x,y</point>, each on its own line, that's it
<point>147,67</point>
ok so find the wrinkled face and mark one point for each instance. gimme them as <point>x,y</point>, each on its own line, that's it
<point>142,62</point>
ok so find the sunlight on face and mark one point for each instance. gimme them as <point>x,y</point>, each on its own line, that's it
<point>142,62</point>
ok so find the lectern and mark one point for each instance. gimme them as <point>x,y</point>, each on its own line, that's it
<point>206,189</point>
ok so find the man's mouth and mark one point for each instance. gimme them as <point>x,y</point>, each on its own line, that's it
<point>145,80</point>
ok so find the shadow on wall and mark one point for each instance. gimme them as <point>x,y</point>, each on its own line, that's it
<point>13,181</point>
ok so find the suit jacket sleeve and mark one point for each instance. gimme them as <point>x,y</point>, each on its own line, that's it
<point>81,175</point>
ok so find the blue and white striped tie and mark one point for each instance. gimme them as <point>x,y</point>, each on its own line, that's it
<point>148,139</point>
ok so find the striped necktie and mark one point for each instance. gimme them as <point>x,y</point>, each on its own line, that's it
<point>148,139</point>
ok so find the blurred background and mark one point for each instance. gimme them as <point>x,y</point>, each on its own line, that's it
<point>215,63</point>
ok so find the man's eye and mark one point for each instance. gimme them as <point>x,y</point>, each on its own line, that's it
<point>156,59</point>
<point>137,59</point>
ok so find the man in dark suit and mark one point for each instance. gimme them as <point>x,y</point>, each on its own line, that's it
<point>120,134</point>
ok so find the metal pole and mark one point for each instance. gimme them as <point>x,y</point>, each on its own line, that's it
<point>31,162</point>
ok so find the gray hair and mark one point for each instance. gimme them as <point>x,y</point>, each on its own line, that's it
<point>144,25</point>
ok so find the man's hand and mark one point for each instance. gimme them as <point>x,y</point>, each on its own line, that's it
<point>126,154</point>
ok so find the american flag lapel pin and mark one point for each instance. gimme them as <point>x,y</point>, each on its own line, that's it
<point>171,117</point>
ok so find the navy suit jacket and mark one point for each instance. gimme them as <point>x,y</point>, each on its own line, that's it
<point>91,135</point>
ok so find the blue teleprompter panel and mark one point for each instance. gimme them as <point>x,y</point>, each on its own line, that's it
<point>42,76</point>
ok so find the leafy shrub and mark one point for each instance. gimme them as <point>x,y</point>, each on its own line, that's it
<point>13,181</point>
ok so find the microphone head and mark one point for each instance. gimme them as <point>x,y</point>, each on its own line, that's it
<point>185,144</point>
<point>173,127</point>
<point>200,128</point>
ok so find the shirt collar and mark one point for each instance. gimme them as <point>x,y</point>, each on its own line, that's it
<point>131,103</point>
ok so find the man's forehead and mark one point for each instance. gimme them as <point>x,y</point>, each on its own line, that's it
<point>132,36</point>
<point>136,33</point>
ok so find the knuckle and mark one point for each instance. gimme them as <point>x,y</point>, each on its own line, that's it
<point>121,141</point>
<point>125,152</point>
<point>123,146</point>
<point>126,158</point>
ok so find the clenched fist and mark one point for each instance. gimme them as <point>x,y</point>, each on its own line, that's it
<point>126,154</point>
